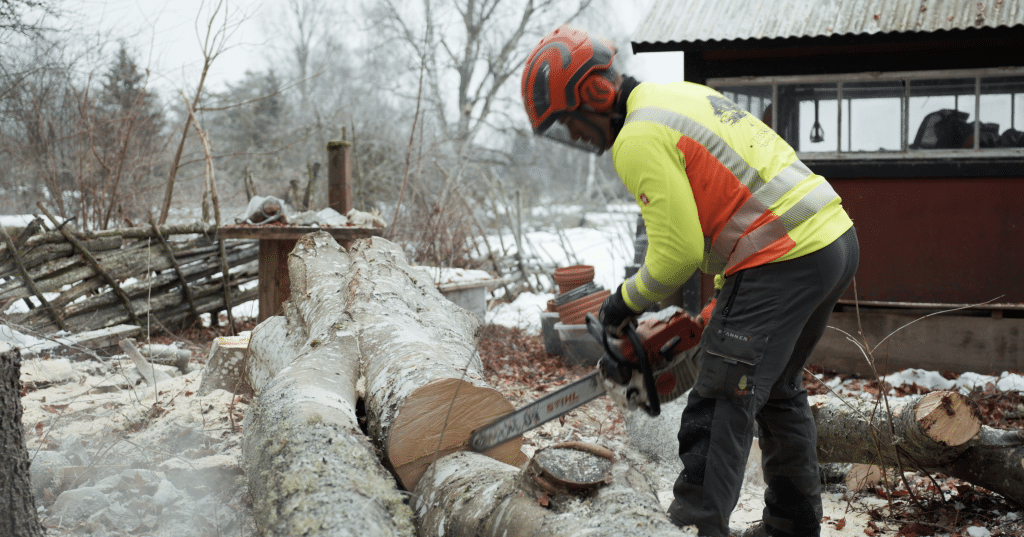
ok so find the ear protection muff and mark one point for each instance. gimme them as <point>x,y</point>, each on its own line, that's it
<point>598,92</point>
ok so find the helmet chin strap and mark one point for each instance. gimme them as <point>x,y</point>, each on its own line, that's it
<point>618,113</point>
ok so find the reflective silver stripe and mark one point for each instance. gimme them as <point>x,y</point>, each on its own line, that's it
<point>731,247</point>
<point>686,126</point>
<point>808,206</point>
<point>632,293</point>
<point>753,242</point>
<point>727,245</point>
<point>736,225</point>
<point>654,286</point>
<point>631,288</point>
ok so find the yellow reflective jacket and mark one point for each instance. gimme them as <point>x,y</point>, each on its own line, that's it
<point>719,190</point>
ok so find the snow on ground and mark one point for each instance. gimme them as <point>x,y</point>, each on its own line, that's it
<point>607,245</point>
<point>168,465</point>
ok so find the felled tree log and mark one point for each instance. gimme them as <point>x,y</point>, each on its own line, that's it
<point>470,495</point>
<point>937,432</point>
<point>311,470</point>
<point>425,391</point>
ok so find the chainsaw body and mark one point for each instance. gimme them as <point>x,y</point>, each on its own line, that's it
<point>640,371</point>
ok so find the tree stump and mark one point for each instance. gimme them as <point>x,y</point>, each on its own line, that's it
<point>17,504</point>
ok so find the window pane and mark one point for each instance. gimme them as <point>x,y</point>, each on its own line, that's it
<point>941,113</point>
<point>754,99</point>
<point>1000,111</point>
<point>872,116</point>
<point>809,116</point>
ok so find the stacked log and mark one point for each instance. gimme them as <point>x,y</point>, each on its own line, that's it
<point>365,329</point>
<point>172,282</point>
<point>311,469</point>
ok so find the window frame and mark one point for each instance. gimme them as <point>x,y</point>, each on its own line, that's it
<point>905,153</point>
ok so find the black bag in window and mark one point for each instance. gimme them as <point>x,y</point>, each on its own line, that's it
<point>1012,138</point>
<point>944,129</point>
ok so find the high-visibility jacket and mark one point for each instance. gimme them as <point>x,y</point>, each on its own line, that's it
<point>719,190</point>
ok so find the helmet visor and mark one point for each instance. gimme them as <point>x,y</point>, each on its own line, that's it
<point>575,130</point>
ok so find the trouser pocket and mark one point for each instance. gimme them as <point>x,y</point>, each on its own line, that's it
<point>728,367</point>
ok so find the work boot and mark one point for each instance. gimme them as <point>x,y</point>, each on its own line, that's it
<point>757,530</point>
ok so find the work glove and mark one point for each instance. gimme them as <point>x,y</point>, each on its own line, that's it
<point>615,314</point>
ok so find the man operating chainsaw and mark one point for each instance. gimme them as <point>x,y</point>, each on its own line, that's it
<point>719,191</point>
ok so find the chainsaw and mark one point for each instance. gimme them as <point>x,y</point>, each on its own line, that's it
<point>641,370</point>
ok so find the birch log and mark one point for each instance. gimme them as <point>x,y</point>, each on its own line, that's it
<point>311,470</point>
<point>937,432</point>
<point>425,391</point>
<point>469,495</point>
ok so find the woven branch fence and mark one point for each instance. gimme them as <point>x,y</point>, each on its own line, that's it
<point>161,278</point>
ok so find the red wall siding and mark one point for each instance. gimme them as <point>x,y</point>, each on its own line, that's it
<point>947,240</point>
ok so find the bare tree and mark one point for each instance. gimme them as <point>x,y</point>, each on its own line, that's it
<point>25,17</point>
<point>214,33</point>
<point>472,50</point>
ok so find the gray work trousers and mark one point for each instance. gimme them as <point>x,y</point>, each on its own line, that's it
<point>765,324</point>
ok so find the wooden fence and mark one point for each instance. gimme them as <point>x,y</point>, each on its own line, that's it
<point>161,278</point>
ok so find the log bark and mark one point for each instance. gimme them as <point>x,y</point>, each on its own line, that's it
<point>937,432</point>
<point>51,252</point>
<point>469,495</point>
<point>141,232</point>
<point>311,470</point>
<point>17,504</point>
<point>365,324</point>
<point>425,390</point>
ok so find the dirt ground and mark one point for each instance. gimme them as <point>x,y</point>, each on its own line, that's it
<point>932,505</point>
<point>121,423</point>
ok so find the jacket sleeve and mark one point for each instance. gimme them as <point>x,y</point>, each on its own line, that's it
<point>655,173</point>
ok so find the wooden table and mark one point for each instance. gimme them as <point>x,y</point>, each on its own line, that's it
<point>276,242</point>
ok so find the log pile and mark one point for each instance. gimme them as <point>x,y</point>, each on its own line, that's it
<point>79,282</point>
<point>368,387</point>
<point>369,384</point>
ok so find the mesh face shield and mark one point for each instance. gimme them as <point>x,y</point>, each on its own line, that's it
<point>555,129</point>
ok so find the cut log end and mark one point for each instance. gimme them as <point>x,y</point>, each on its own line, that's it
<point>420,435</point>
<point>572,466</point>
<point>949,418</point>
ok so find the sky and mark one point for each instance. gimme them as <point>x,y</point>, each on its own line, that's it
<point>164,34</point>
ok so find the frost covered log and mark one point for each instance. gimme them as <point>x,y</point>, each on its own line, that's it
<point>311,470</point>
<point>367,325</point>
<point>470,495</point>
<point>937,432</point>
<point>425,390</point>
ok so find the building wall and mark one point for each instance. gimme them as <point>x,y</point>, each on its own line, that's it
<point>938,240</point>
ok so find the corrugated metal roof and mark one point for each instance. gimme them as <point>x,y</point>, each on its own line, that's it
<point>691,21</point>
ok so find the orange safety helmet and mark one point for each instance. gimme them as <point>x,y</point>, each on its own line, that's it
<point>567,69</point>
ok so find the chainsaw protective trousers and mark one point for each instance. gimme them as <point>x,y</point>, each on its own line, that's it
<point>762,331</point>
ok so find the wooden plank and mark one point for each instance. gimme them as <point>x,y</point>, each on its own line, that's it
<point>946,342</point>
<point>93,340</point>
<point>276,232</point>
